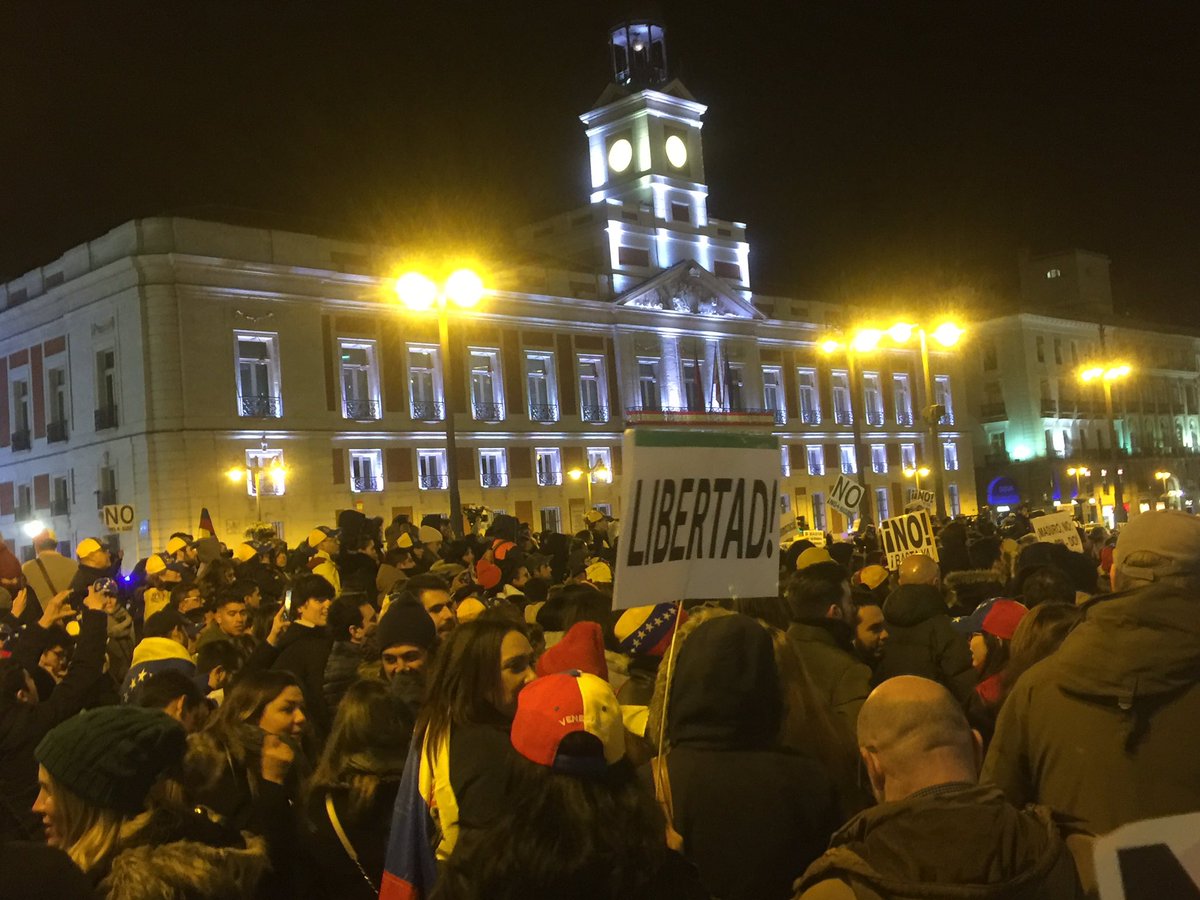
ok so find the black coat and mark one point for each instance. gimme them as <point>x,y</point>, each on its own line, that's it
<point>335,876</point>
<point>85,576</point>
<point>35,870</point>
<point>921,641</point>
<point>304,651</point>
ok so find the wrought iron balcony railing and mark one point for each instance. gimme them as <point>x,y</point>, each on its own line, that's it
<point>369,484</point>
<point>428,410</point>
<point>543,412</point>
<point>993,411</point>
<point>261,407</point>
<point>59,507</point>
<point>904,418</point>
<point>810,417</point>
<point>493,479</point>
<point>361,410</point>
<point>546,479</point>
<point>780,417</point>
<point>22,440</point>
<point>843,417</point>
<point>106,417</point>
<point>434,482</point>
<point>597,415</point>
<point>874,417</point>
<point>489,412</point>
<point>56,432</point>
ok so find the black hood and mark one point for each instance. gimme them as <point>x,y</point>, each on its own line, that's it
<point>912,604</point>
<point>725,692</point>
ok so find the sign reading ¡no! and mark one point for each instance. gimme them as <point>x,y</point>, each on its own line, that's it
<point>845,496</point>
<point>908,535</point>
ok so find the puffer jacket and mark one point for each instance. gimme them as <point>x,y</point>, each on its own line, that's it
<point>1104,729</point>
<point>951,841</point>
<point>921,641</point>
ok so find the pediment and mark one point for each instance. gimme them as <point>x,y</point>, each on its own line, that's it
<point>687,287</point>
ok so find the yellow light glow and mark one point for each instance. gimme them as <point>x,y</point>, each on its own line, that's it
<point>33,528</point>
<point>1119,371</point>
<point>923,471</point>
<point>416,291</point>
<point>901,332</point>
<point>676,151</point>
<point>947,334</point>
<point>1162,476</point>
<point>620,155</point>
<point>1091,374</point>
<point>464,288</point>
<point>574,474</point>
<point>866,340</point>
<point>602,473</point>
<point>831,345</point>
<point>235,474</point>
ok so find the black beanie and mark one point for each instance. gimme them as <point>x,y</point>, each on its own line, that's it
<point>406,622</point>
<point>111,756</point>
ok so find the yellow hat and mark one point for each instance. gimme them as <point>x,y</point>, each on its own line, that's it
<point>244,552</point>
<point>155,564</point>
<point>813,556</point>
<point>405,541</point>
<point>87,547</point>
<point>599,573</point>
<point>592,516</point>
<point>470,609</point>
<point>319,534</point>
<point>175,544</point>
<point>430,535</point>
<point>872,576</point>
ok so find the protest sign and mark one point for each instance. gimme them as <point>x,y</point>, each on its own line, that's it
<point>907,535</point>
<point>699,517</point>
<point>816,538</point>
<point>919,499</point>
<point>1154,858</point>
<point>845,496</point>
<point>1058,528</point>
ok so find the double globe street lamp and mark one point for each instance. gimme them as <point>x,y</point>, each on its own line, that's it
<point>597,472</point>
<point>1106,374</point>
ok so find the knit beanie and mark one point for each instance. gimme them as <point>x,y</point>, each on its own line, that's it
<point>406,622</point>
<point>112,755</point>
<point>581,648</point>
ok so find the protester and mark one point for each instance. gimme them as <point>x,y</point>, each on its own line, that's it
<point>325,545</point>
<point>990,630</point>
<point>95,563</point>
<point>165,647</point>
<point>431,592</point>
<point>935,832</point>
<point>921,639</point>
<point>580,824</point>
<point>49,572</point>
<point>643,634</point>
<point>406,637</point>
<point>1039,634</point>
<point>984,580</point>
<point>870,628</point>
<point>177,695</point>
<point>304,648</point>
<point>351,621</point>
<point>228,621</point>
<point>1046,584</point>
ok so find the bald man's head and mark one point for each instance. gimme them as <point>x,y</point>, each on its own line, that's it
<point>919,569</point>
<point>913,734</point>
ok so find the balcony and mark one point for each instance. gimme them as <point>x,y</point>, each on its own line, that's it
<point>993,411</point>
<point>428,410</point>
<point>434,482</point>
<point>947,418</point>
<point>60,507</point>
<point>261,407</point>
<point>56,432</point>
<point>106,497</point>
<point>906,418</point>
<point>810,416</point>
<point>21,440</point>
<point>360,410</point>
<point>875,417</point>
<point>549,479</point>
<point>493,479</point>
<point>843,417</point>
<point>106,417</point>
<point>1049,409</point>
<point>366,484</point>
<point>543,412</point>
<point>597,415</point>
<point>712,416</point>
<point>780,416</point>
<point>488,411</point>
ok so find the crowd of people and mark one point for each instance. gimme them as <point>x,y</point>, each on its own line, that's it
<point>394,712</point>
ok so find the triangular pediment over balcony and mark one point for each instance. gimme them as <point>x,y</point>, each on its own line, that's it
<point>687,287</point>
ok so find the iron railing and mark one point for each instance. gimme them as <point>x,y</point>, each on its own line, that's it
<point>106,417</point>
<point>493,479</point>
<point>261,407</point>
<point>22,440</point>
<point>593,413</point>
<point>904,418</point>
<point>361,410</point>
<point>993,411</point>
<point>843,417</point>
<point>59,507</point>
<point>367,484</point>
<point>56,432</point>
<point>546,479</point>
<point>810,417</point>
<point>105,498</point>
<point>434,482</point>
<point>543,412</point>
<point>874,417</point>
<point>780,417</point>
<point>489,412</point>
<point>428,410</point>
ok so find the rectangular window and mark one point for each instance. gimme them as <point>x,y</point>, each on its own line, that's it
<point>785,460</point>
<point>431,470</point>
<point>816,460</point>
<point>360,381</point>
<point>818,506</point>
<point>773,399</point>
<point>633,256</point>
<point>24,508</point>
<point>955,502</point>
<point>107,495</point>
<point>842,411</point>
<point>649,392</point>
<point>551,517</point>
<point>60,504</point>
<point>106,379</point>
<point>882,510</point>
<point>493,468</point>
<point>810,398</point>
<point>692,376</point>
<point>1058,351</point>
<point>265,473</point>
<point>20,407</point>
<point>56,381</point>
<point>879,463</point>
<point>487,386</point>
<point>944,398</point>
<point>599,461</point>
<point>425,383</point>
<point>681,212</point>
<point>908,456</point>
<point>1040,345</point>
<point>366,471</point>
<point>950,456</point>
<point>542,387</point>
<point>593,389</point>
<point>902,396</point>
<point>848,458</point>
<point>548,462</point>
<point>872,398</point>
<point>258,375</point>
<point>724,269</point>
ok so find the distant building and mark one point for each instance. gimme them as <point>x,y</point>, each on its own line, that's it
<point>141,366</point>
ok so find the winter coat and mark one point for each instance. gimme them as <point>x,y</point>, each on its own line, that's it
<point>22,725</point>
<point>752,816</point>
<point>60,569</point>
<point>967,589</point>
<point>321,564</point>
<point>303,651</point>
<point>35,870</point>
<point>950,841</point>
<point>341,671</point>
<point>837,673</point>
<point>335,876</point>
<point>270,581</point>
<point>85,577</point>
<point>1104,729</point>
<point>921,641</point>
<point>121,641</point>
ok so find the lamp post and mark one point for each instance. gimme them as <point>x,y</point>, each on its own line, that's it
<point>917,474</point>
<point>1106,375</point>
<point>1164,477</point>
<point>1076,471</point>
<point>420,293</point>
<point>597,471</point>
<point>862,341</point>
<point>275,470</point>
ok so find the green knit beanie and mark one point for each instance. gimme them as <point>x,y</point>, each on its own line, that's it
<point>112,755</point>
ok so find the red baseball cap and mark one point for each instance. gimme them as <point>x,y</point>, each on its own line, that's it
<point>554,708</point>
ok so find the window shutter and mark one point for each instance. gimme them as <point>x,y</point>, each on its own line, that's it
<point>7,503</point>
<point>514,373</point>
<point>339,466</point>
<point>41,491</point>
<point>790,388</point>
<point>466,464</point>
<point>615,403</point>
<point>393,366</point>
<point>833,461</point>
<point>398,464</point>
<point>520,462</point>
<point>887,389</point>
<point>331,382</point>
<point>37,389</point>
<point>825,390</point>
<point>893,454</point>
<point>566,376</point>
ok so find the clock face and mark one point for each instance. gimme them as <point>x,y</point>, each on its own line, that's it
<point>676,151</point>
<point>620,155</point>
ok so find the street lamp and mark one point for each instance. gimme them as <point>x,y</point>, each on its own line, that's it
<point>420,293</point>
<point>1077,471</point>
<point>1163,477</point>
<point>917,474</point>
<point>255,473</point>
<point>1106,374</point>
<point>596,472</point>
<point>863,341</point>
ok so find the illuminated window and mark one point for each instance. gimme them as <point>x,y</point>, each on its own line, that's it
<point>785,461</point>
<point>773,399</point>
<point>360,381</point>
<point>258,375</point>
<point>944,398</point>
<point>493,468</point>
<point>597,457</point>
<point>902,397</point>
<point>872,398</point>
<point>908,456</point>
<point>542,387</point>
<point>431,470</point>
<point>849,459</point>
<point>649,392</point>
<point>425,383</point>
<point>1054,273</point>
<point>950,456</point>
<point>881,504</point>
<point>593,389</point>
<point>816,460</point>
<point>548,463</point>
<point>487,388</point>
<point>810,400</point>
<point>879,464</point>
<point>842,411</point>
<point>366,471</point>
<point>264,469</point>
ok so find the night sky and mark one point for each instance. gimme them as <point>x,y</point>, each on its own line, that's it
<point>874,148</point>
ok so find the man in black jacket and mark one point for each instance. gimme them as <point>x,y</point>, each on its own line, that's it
<point>95,562</point>
<point>304,647</point>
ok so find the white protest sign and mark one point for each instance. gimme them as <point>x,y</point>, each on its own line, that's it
<point>845,497</point>
<point>816,538</point>
<point>699,517</point>
<point>919,499</point>
<point>907,535</point>
<point>1058,528</point>
<point>1154,858</point>
<point>118,517</point>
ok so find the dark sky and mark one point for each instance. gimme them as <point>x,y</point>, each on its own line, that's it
<point>872,147</point>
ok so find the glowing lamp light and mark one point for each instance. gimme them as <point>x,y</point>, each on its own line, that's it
<point>574,474</point>
<point>947,334</point>
<point>831,345</point>
<point>33,528</point>
<point>1091,374</point>
<point>464,288</point>
<point>416,291</point>
<point>1117,372</point>
<point>866,340</point>
<point>901,332</point>
<point>602,473</point>
<point>922,471</point>
<point>235,474</point>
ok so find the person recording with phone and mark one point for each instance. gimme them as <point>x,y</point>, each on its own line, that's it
<point>304,649</point>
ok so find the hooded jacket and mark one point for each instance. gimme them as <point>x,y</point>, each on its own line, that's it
<point>953,841</point>
<point>751,816</point>
<point>1104,729</point>
<point>967,589</point>
<point>921,641</point>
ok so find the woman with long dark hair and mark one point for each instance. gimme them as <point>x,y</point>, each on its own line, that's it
<point>581,824</point>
